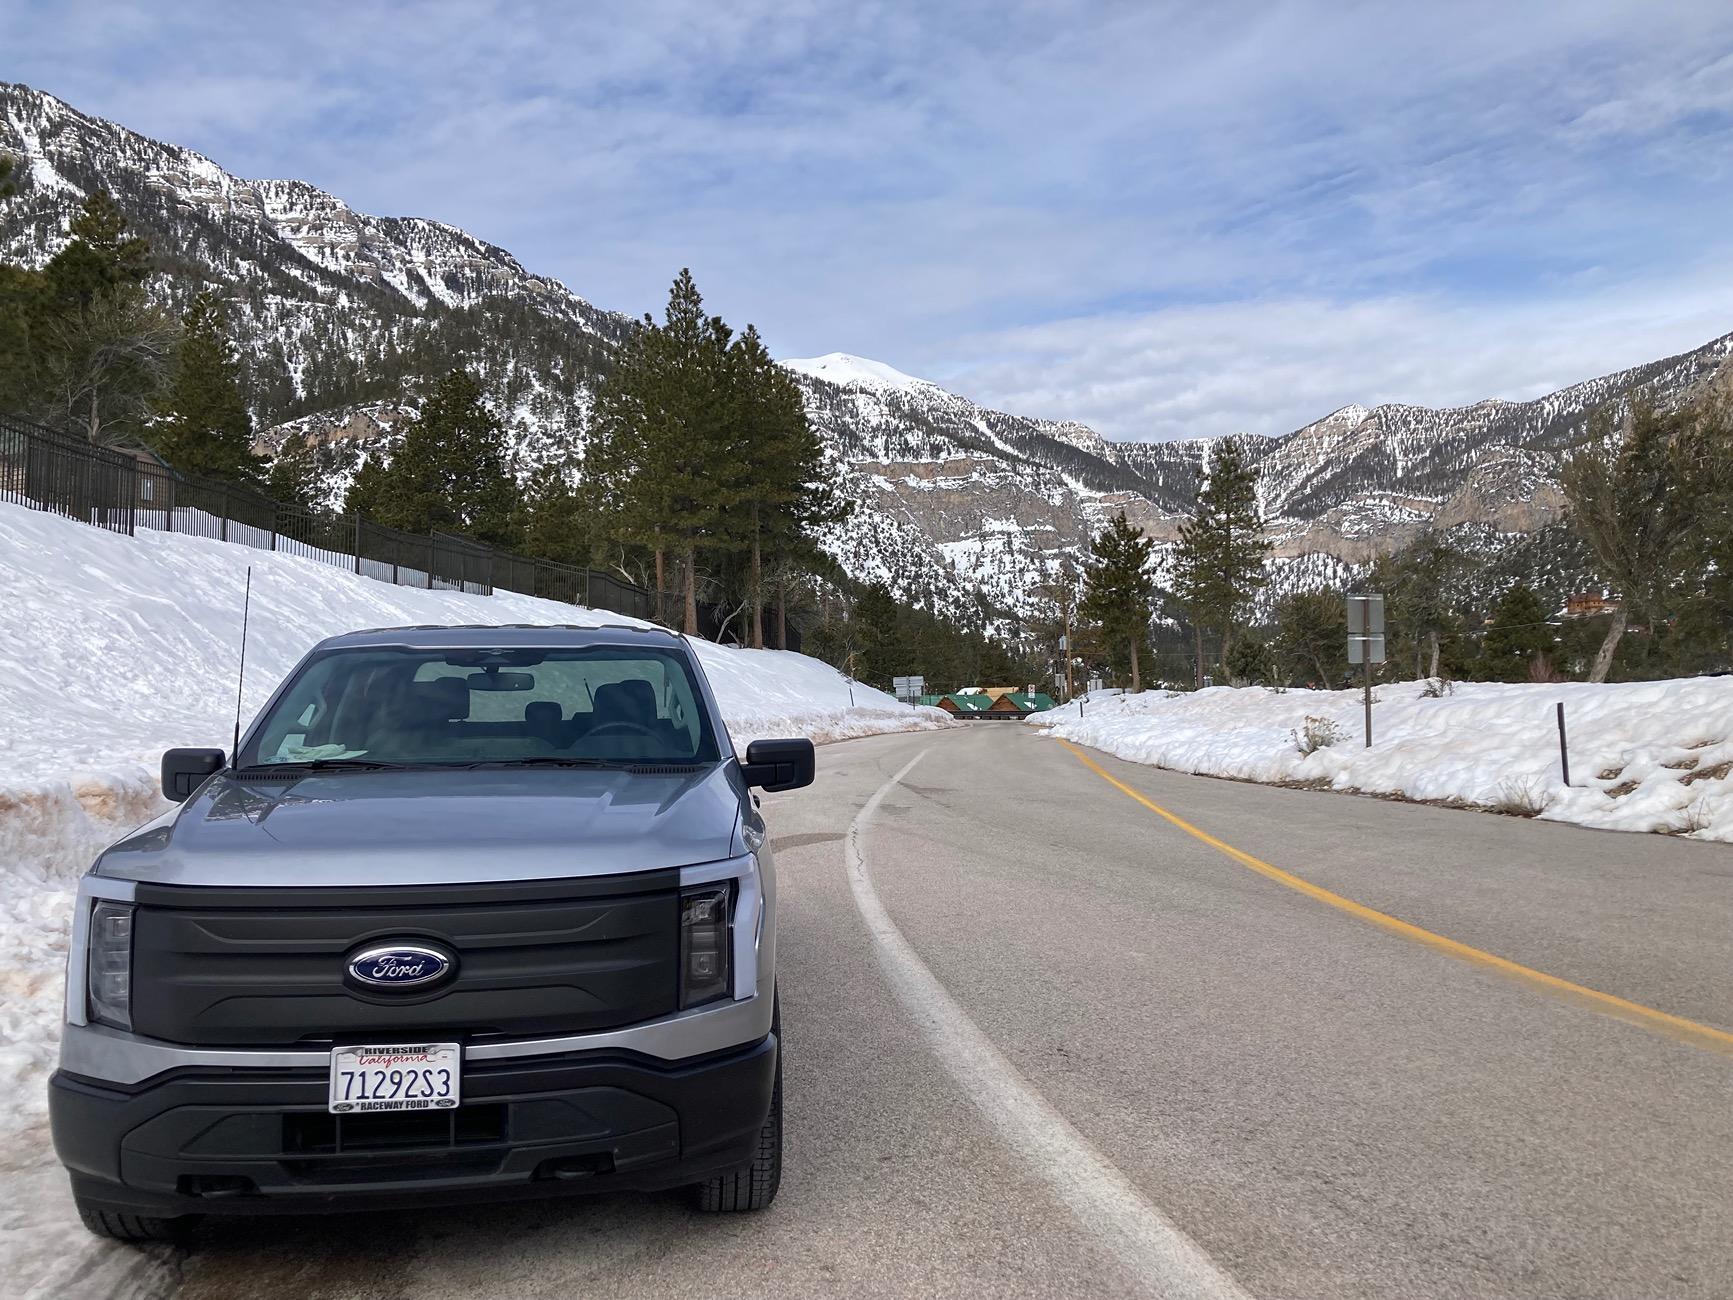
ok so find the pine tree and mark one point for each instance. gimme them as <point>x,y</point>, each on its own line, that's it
<point>665,453</point>
<point>1119,591</point>
<point>783,473</point>
<point>1251,661</point>
<point>1312,630</point>
<point>294,479</point>
<point>448,469</point>
<point>559,520</point>
<point>204,426</point>
<point>1519,640</point>
<point>883,648</point>
<point>101,257</point>
<point>81,348</point>
<point>1219,565</point>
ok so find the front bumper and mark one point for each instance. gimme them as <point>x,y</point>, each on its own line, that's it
<point>231,1141</point>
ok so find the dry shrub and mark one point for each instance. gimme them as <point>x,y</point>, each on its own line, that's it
<point>1693,817</point>
<point>1520,797</point>
<point>1316,734</point>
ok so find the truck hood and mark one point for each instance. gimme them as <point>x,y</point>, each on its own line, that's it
<point>434,827</point>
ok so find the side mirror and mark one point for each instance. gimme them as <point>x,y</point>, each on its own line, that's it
<point>185,770</point>
<point>779,764</point>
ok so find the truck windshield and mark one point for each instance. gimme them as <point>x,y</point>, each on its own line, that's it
<point>380,706</point>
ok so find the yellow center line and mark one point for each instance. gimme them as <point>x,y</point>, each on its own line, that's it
<point>1689,1031</point>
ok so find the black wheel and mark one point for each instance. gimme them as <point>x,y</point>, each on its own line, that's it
<point>118,1226</point>
<point>753,1187</point>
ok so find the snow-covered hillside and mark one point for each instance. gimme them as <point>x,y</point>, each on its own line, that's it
<point>844,371</point>
<point>113,648</point>
<point>1645,756</point>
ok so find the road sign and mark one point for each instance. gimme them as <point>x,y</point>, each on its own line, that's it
<point>908,689</point>
<point>1365,649</point>
<point>1366,643</point>
<point>1366,629</point>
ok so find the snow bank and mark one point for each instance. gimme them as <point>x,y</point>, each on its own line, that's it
<point>1645,756</point>
<point>113,648</point>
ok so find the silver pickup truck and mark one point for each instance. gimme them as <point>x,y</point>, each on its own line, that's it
<point>472,913</point>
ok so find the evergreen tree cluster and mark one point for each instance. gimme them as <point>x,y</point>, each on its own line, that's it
<point>701,457</point>
<point>84,349</point>
<point>869,634</point>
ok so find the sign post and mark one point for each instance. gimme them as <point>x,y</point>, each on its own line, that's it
<point>909,689</point>
<point>1366,643</point>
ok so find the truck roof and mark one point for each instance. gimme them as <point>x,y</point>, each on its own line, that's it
<point>430,636</point>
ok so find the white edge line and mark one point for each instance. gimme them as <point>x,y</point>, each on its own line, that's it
<point>1101,1199</point>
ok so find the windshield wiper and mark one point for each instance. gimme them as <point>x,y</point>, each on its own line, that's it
<point>328,765</point>
<point>547,760</point>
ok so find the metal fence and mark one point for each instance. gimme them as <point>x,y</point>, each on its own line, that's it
<point>124,491</point>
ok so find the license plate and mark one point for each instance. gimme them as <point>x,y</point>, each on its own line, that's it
<point>394,1076</point>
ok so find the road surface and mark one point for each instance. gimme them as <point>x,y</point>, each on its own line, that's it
<point>1042,1041</point>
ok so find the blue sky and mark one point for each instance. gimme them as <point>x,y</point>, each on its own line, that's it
<point>1162,220</point>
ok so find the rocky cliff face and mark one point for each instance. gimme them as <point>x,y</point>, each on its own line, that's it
<point>965,509</point>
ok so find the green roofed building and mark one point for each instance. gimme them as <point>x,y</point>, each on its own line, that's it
<point>1020,704</point>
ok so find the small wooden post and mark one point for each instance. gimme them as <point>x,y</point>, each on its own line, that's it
<point>1564,753</point>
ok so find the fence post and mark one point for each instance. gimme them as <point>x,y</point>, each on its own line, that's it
<point>1564,753</point>
<point>358,541</point>
<point>129,485</point>
<point>225,511</point>
<point>274,514</point>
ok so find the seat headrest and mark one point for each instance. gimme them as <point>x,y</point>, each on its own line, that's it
<point>633,698</point>
<point>444,699</point>
<point>543,713</point>
<point>641,695</point>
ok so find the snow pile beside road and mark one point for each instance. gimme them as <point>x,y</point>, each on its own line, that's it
<point>1644,756</point>
<point>114,648</point>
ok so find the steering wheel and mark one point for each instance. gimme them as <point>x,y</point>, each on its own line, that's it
<point>620,725</point>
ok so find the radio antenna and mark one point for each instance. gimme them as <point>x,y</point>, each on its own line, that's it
<point>241,676</point>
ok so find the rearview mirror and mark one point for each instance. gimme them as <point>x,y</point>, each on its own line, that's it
<point>185,770</point>
<point>494,680</point>
<point>779,764</point>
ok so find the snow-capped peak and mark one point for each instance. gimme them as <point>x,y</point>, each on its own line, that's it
<point>842,369</point>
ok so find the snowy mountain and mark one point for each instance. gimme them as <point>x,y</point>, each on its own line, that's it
<point>962,508</point>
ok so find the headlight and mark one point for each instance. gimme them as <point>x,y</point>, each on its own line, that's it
<point>704,943</point>
<point>110,969</point>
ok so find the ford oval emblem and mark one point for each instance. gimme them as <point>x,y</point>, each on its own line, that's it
<point>400,966</point>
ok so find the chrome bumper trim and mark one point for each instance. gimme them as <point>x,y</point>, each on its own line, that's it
<point>97,1052</point>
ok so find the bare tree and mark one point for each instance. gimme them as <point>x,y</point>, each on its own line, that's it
<point>107,363</point>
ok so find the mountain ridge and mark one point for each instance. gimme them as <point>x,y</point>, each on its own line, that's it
<point>960,507</point>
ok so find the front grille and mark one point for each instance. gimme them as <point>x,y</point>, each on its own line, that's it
<point>311,1133</point>
<point>254,967</point>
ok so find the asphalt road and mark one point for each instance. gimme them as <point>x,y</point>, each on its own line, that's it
<point>1042,1042</point>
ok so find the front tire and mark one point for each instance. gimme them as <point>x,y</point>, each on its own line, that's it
<point>754,1187</point>
<point>117,1226</point>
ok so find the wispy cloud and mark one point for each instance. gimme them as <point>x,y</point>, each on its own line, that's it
<point>1165,219</point>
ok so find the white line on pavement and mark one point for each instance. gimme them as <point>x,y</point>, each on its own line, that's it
<point>1100,1198</point>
